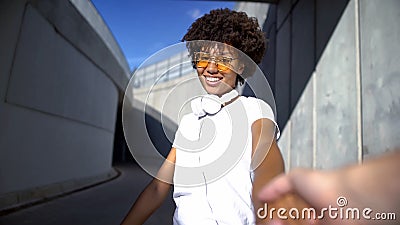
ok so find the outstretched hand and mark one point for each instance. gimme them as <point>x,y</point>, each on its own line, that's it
<point>373,186</point>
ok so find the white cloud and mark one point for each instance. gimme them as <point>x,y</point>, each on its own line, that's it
<point>194,13</point>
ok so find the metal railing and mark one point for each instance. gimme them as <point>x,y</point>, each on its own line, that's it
<point>163,70</point>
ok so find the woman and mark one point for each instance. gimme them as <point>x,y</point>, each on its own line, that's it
<point>225,150</point>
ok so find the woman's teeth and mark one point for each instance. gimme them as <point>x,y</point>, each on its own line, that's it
<point>212,79</point>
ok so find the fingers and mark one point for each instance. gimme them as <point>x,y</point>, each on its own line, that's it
<point>300,188</point>
<point>304,182</point>
<point>278,187</point>
<point>284,192</point>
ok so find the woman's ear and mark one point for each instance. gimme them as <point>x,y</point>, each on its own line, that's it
<point>240,69</point>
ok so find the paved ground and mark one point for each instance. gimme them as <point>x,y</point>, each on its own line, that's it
<point>104,204</point>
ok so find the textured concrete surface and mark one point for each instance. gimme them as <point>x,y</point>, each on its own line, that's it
<point>80,23</point>
<point>284,7</point>
<point>59,92</point>
<point>302,127</point>
<point>284,145</point>
<point>380,69</point>
<point>327,15</point>
<point>350,107</point>
<point>302,62</point>
<point>66,85</point>
<point>104,204</point>
<point>336,93</point>
<point>282,71</point>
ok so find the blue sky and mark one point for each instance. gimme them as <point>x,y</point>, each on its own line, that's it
<point>144,27</point>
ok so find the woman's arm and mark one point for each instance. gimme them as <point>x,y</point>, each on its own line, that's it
<point>154,194</point>
<point>267,164</point>
<point>267,160</point>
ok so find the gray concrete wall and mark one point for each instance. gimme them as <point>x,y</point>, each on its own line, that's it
<point>349,107</point>
<point>60,78</point>
<point>257,10</point>
<point>380,75</point>
<point>298,31</point>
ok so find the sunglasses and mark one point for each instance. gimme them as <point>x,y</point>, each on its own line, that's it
<point>223,63</point>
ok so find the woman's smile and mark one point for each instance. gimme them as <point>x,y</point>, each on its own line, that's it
<point>213,81</point>
<point>217,83</point>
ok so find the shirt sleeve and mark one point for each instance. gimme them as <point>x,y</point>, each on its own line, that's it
<point>258,109</point>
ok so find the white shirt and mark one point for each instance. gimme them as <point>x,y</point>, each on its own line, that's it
<point>213,177</point>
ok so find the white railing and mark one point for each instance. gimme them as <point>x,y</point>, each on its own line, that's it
<point>162,71</point>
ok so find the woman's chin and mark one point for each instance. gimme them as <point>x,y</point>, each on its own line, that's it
<point>217,92</point>
<point>212,92</point>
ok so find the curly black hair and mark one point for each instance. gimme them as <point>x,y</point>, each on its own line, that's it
<point>232,28</point>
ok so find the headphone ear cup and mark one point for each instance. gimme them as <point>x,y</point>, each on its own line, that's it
<point>211,104</point>
<point>196,107</point>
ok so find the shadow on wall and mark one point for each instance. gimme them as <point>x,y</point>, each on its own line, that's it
<point>121,153</point>
<point>158,135</point>
<point>143,133</point>
<point>297,35</point>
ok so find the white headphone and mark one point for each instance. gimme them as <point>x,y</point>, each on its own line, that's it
<point>211,104</point>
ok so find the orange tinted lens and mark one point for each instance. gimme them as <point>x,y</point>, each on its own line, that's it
<point>202,63</point>
<point>222,67</point>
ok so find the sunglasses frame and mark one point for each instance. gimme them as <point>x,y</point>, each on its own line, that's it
<point>220,66</point>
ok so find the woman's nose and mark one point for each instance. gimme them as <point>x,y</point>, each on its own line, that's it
<point>212,67</point>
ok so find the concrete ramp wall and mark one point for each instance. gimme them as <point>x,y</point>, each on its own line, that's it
<point>60,77</point>
<point>349,109</point>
